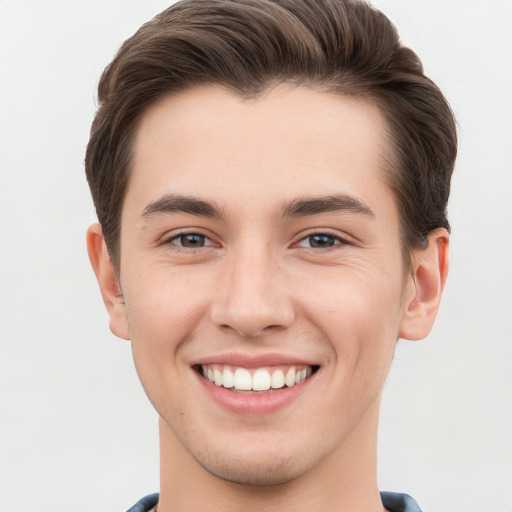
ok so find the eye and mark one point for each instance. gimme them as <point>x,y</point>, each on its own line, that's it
<point>321,241</point>
<point>189,240</point>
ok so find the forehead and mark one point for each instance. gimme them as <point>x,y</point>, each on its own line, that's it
<point>289,141</point>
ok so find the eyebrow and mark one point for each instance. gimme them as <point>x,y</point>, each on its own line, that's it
<point>304,206</point>
<point>299,207</point>
<point>171,203</point>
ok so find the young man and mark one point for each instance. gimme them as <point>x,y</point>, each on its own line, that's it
<point>271,181</point>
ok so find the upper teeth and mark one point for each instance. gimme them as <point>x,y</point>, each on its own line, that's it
<point>260,379</point>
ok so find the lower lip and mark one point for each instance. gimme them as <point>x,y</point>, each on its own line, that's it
<point>254,404</point>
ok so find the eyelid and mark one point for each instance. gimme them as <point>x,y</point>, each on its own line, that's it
<point>339,238</point>
<point>168,238</point>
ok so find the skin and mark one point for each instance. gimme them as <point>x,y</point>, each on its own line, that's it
<point>261,285</point>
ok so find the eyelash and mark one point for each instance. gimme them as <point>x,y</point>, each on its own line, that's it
<point>169,241</point>
<point>337,240</point>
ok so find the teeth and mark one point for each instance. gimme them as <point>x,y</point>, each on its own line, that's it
<point>228,379</point>
<point>277,379</point>
<point>261,379</point>
<point>243,380</point>
<point>289,380</point>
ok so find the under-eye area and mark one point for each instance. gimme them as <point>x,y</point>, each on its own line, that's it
<point>256,380</point>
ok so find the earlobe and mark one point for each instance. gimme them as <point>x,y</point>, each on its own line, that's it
<point>425,286</point>
<point>108,281</point>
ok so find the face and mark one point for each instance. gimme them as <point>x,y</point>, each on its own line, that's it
<point>262,276</point>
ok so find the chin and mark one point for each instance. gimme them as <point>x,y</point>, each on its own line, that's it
<point>257,463</point>
<point>244,472</point>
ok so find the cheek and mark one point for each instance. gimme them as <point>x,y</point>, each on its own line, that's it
<point>162,305</point>
<point>360,315</point>
<point>163,312</point>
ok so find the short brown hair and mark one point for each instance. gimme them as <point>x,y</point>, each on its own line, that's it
<point>341,46</point>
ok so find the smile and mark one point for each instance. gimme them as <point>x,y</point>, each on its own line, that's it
<point>240,379</point>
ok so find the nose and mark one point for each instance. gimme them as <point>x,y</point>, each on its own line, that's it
<point>252,297</point>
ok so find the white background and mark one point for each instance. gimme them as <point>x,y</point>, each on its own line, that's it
<point>76,431</point>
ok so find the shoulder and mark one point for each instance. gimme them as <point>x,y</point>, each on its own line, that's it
<point>398,502</point>
<point>145,504</point>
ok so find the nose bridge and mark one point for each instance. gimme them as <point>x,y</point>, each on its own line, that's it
<point>252,297</point>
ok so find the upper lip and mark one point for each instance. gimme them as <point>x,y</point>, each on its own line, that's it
<point>253,360</point>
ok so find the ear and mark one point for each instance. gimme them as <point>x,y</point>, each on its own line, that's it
<point>424,287</point>
<point>108,281</point>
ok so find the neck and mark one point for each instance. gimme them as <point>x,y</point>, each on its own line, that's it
<point>344,481</point>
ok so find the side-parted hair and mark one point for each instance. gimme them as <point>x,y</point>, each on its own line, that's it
<point>344,47</point>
